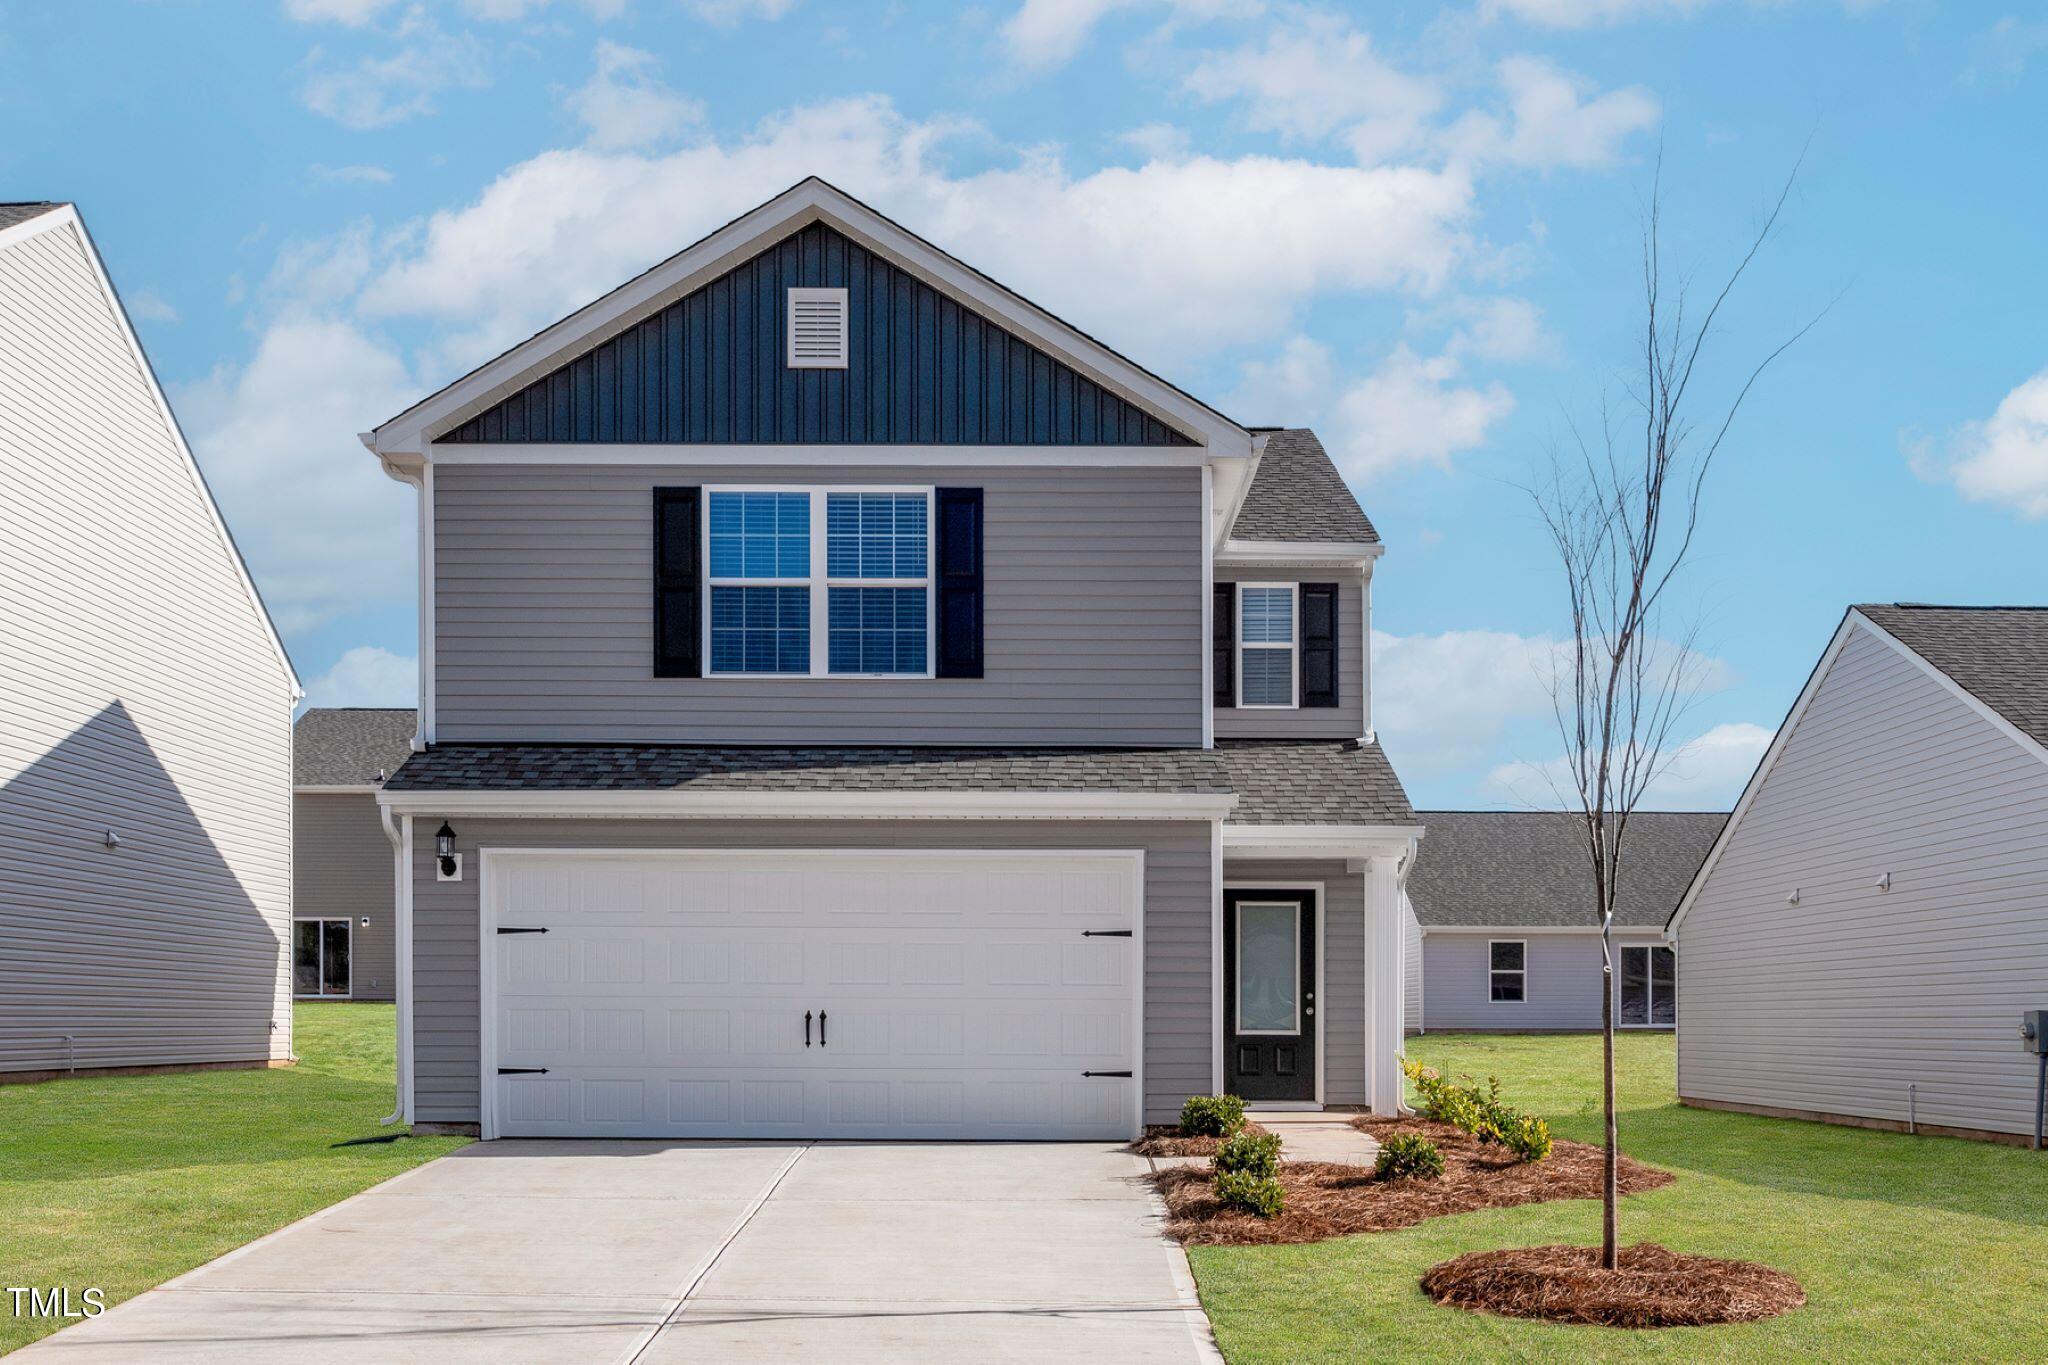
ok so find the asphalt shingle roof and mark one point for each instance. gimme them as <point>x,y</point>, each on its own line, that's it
<point>1999,655</point>
<point>10,214</point>
<point>1289,782</point>
<point>350,746</point>
<point>1527,869</point>
<point>1299,495</point>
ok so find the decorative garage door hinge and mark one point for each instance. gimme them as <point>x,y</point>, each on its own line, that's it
<point>1105,933</point>
<point>506,929</point>
<point>1125,1074</point>
<point>522,1071</point>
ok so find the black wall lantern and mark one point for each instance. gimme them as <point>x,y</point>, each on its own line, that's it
<point>444,848</point>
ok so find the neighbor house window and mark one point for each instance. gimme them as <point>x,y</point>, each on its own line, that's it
<point>1649,987</point>
<point>1507,961</point>
<point>818,582</point>
<point>320,957</point>
<point>1266,644</point>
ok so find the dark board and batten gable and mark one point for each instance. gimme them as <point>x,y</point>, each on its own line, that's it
<point>712,368</point>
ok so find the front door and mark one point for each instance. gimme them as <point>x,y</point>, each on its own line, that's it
<point>1269,999</point>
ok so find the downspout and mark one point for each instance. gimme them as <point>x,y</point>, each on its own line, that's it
<point>401,867</point>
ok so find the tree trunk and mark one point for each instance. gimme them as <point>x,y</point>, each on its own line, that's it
<point>1609,1192</point>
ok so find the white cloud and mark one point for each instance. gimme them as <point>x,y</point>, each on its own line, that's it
<point>731,13</point>
<point>553,232</point>
<point>1506,329</point>
<point>1553,120</point>
<point>1585,13</point>
<point>1315,75</point>
<point>367,676</point>
<point>1706,772</point>
<point>625,103</point>
<point>148,305</point>
<point>1158,142</point>
<point>2002,459</point>
<point>510,11</point>
<point>352,13</point>
<point>1042,34</point>
<point>376,92</point>
<point>325,531</point>
<point>1443,702</point>
<point>353,175</point>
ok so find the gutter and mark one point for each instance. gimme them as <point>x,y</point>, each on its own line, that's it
<point>401,859</point>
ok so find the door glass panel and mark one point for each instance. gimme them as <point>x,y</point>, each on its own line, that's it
<point>1664,986</point>
<point>1635,985</point>
<point>334,954</point>
<point>1268,969</point>
<point>306,957</point>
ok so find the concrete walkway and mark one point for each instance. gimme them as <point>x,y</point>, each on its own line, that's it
<point>627,1251</point>
<point>1310,1136</point>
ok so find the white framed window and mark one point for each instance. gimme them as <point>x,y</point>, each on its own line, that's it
<point>1648,987</point>
<point>818,582</point>
<point>1507,971</point>
<point>321,949</point>
<point>817,329</point>
<point>1268,954</point>
<point>1268,641</point>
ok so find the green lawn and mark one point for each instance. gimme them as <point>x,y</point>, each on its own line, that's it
<point>1909,1248</point>
<point>123,1182</point>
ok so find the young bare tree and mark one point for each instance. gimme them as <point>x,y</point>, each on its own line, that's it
<point>1622,505</point>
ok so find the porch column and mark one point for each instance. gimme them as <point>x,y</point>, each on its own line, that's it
<point>1383,1033</point>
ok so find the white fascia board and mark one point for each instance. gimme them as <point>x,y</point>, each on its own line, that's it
<point>335,789</point>
<point>1234,486</point>
<point>791,211</point>
<point>1843,632</point>
<point>66,215</point>
<point>1536,930</point>
<point>1319,841</point>
<point>1008,457</point>
<point>916,805</point>
<point>1334,554</point>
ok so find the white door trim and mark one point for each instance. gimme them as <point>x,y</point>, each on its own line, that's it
<point>490,857</point>
<point>1317,920</point>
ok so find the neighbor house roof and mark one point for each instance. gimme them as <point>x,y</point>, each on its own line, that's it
<point>1298,495</point>
<point>1528,869</point>
<point>351,746</point>
<point>1999,655</point>
<point>1334,782</point>
<point>13,213</point>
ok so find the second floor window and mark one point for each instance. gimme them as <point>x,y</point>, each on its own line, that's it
<point>819,582</point>
<point>1265,644</point>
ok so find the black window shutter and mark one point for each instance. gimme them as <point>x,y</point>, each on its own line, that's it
<point>957,579</point>
<point>1319,644</point>
<point>678,584</point>
<point>1223,646</point>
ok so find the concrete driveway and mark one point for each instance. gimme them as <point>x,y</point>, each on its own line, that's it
<point>648,1251</point>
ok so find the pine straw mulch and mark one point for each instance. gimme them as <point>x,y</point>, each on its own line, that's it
<point>1168,1141</point>
<point>1654,1287</point>
<point>1327,1200</point>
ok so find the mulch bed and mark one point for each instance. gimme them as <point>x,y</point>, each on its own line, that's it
<point>1168,1141</point>
<point>1327,1200</point>
<point>1654,1287</point>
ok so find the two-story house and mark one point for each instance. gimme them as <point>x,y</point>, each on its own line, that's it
<point>856,703</point>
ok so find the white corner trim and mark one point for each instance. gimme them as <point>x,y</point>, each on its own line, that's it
<point>1209,616</point>
<point>66,215</point>
<point>810,201</point>
<point>794,805</point>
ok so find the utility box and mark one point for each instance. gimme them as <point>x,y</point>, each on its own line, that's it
<point>2034,1030</point>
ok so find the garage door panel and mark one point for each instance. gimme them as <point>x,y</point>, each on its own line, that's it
<point>953,996</point>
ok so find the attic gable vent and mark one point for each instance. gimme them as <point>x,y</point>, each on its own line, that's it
<point>817,329</point>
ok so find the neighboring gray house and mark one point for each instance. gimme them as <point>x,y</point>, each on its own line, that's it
<point>1499,901</point>
<point>903,715</point>
<point>342,884</point>
<point>1861,943</point>
<point>145,735</point>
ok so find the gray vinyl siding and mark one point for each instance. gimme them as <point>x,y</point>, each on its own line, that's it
<point>1178,911</point>
<point>1342,1002</point>
<point>1562,986</point>
<point>143,697</point>
<point>1345,720</point>
<point>1839,1003</point>
<point>1093,615</point>
<point>1411,968</point>
<point>341,869</point>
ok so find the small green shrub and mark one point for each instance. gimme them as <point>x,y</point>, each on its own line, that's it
<point>1211,1116</point>
<point>1256,1154</point>
<point>1409,1156</point>
<point>1527,1136</point>
<point>1481,1113</point>
<point>1259,1194</point>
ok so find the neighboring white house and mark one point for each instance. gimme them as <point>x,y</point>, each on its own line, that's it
<point>145,741</point>
<point>1862,940</point>
<point>1502,935</point>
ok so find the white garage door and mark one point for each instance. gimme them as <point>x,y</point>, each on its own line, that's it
<point>779,995</point>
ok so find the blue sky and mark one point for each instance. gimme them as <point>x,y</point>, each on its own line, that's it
<point>1412,227</point>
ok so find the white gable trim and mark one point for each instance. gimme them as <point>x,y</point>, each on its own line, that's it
<point>66,215</point>
<point>1852,622</point>
<point>811,201</point>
